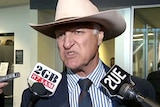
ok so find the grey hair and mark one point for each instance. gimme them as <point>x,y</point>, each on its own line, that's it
<point>97,28</point>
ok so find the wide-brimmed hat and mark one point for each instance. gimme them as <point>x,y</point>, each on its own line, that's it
<point>72,11</point>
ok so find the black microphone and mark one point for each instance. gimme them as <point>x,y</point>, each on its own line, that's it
<point>128,91</point>
<point>37,90</point>
<point>118,83</point>
<point>45,82</point>
<point>114,80</point>
<point>47,76</point>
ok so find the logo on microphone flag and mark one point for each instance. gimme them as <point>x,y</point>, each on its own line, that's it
<point>45,75</point>
<point>114,79</point>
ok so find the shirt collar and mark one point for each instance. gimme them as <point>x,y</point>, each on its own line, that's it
<point>96,76</point>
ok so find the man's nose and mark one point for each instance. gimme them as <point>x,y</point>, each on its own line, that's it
<point>69,39</point>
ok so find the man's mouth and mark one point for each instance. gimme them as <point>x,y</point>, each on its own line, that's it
<point>70,54</point>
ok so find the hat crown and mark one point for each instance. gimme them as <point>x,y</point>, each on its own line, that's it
<point>74,8</point>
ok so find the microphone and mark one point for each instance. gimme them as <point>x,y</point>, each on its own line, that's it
<point>10,77</point>
<point>129,92</point>
<point>114,80</point>
<point>118,83</point>
<point>37,89</point>
<point>45,75</point>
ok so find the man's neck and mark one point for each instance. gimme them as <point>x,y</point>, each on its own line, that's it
<point>88,69</point>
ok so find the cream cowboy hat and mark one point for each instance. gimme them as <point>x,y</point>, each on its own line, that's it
<point>72,11</point>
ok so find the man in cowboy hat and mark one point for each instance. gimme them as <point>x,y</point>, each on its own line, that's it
<point>79,29</point>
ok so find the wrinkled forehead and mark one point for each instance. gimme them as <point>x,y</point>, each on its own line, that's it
<point>78,25</point>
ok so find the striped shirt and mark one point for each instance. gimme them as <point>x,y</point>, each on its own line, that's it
<point>98,94</point>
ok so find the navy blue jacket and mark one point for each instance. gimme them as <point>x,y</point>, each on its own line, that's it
<point>60,97</point>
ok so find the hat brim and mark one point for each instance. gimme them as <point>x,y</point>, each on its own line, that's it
<point>113,24</point>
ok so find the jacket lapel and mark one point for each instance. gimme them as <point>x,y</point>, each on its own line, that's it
<point>61,94</point>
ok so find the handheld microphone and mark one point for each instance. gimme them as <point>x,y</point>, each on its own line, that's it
<point>47,76</point>
<point>129,92</point>
<point>9,77</point>
<point>37,89</point>
<point>118,83</point>
<point>114,80</point>
<point>44,81</point>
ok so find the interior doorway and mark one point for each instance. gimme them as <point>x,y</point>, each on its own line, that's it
<point>7,57</point>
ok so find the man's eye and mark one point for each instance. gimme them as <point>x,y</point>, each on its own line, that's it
<point>59,35</point>
<point>78,32</point>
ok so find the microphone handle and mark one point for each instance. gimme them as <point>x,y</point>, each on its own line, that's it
<point>30,104</point>
<point>147,100</point>
<point>33,101</point>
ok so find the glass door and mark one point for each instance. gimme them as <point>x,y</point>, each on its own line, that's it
<point>146,40</point>
<point>145,51</point>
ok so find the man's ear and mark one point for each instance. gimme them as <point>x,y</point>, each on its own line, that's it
<point>100,37</point>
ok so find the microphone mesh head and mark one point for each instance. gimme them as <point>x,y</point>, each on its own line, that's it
<point>127,91</point>
<point>38,88</point>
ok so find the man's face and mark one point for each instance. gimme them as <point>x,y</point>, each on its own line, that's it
<point>78,44</point>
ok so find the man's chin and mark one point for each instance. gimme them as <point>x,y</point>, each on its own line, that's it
<point>72,67</point>
<point>75,68</point>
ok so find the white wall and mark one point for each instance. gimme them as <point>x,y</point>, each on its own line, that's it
<point>123,43</point>
<point>36,47</point>
<point>16,19</point>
